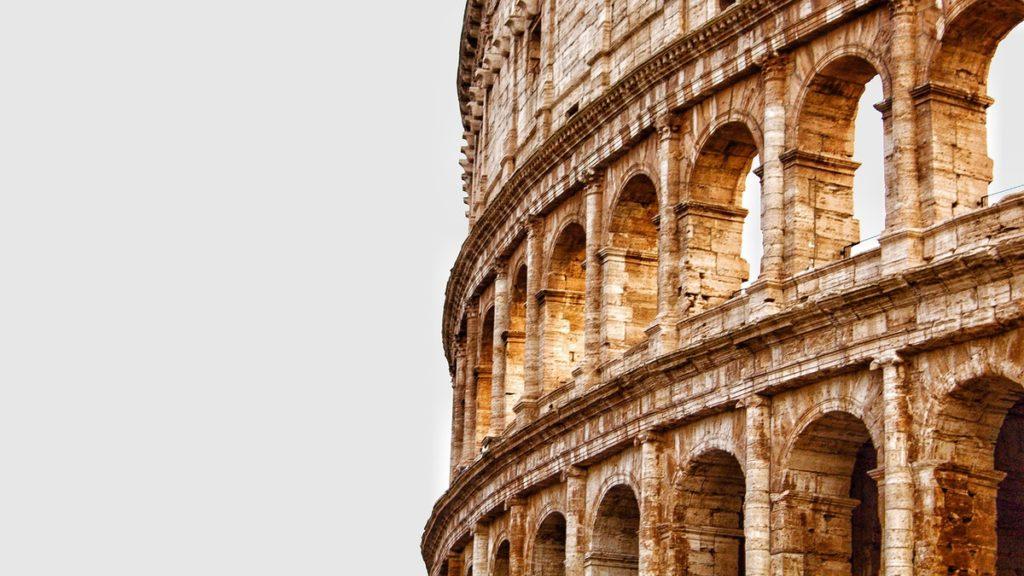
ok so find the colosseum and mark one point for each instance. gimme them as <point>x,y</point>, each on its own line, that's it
<point>629,398</point>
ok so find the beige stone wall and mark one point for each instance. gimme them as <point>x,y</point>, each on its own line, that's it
<point>623,404</point>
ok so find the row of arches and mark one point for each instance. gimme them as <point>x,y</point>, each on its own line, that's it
<point>828,512</point>
<point>842,198</point>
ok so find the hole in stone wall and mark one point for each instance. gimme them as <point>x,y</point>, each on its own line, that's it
<point>1009,458</point>
<point>1005,117</point>
<point>502,559</point>
<point>869,180</point>
<point>549,547</point>
<point>615,544</point>
<point>709,512</point>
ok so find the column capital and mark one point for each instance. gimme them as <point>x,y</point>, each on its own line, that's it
<point>774,65</point>
<point>754,401</point>
<point>668,125</point>
<point>648,437</point>
<point>902,7</point>
<point>886,359</point>
<point>593,180</point>
<point>573,472</point>
<point>500,267</point>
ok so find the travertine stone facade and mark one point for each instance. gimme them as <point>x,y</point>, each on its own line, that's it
<point>627,399</point>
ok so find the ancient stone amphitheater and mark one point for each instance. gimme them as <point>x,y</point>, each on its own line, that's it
<point>627,399</point>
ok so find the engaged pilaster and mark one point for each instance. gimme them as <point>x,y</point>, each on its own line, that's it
<point>469,436</point>
<point>526,409</point>
<point>757,502</point>
<point>498,356</point>
<point>458,405</point>
<point>481,564</point>
<point>516,509</point>
<point>652,476</point>
<point>666,339</point>
<point>898,482</point>
<point>901,241</point>
<point>575,479</point>
<point>773,71</point>
<point>593,196</point>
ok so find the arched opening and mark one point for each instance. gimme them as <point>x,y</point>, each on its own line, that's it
<point>549,547</point>
<point>562,308</point>
<point>869,187</point>
<point>830,508</point>
<point>952,109</point>
<point>978,494</point>
<point>629,265</point>
<point>821,170</point>
<point>1006,120</point>
<point>712,218</point>
<point>483,376</point>
<point>708,516</point>
<point>515,344</point>
<point>615,542</point>
<point>1009,459</point>
<point>502,559</point>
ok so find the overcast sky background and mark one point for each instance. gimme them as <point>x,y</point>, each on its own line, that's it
<point>225,232</point>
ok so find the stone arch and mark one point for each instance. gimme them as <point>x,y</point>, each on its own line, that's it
<point>712,214</point>
<point>615,533</point>
<point>562,303</point>
<point>502,558</point>
<point>515,339</point>
<point>707,515</point>
<point>829,511</point>
<point>974,446</point>
<point>953,102</point>
<point>820,168</point>
<point>548,557</point>
<point>629,264</point>
<point>846,404</point>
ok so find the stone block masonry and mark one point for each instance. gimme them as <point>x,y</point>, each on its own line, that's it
<point>627,399</point>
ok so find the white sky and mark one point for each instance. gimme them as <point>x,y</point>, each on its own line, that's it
<point>224,235</point>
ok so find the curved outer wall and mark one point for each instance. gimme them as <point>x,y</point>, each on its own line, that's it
<point>627,399</point>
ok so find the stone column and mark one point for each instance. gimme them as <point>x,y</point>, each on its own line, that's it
<point>652,476</point>
<point>773,217</point>
<point>901,242</point>
<point>668,127</point>
<point>458,400</point>
<point>469,445</point>
<point>481,564</point>
<point>757,501</point>
<point>498,357</point>
<point>898,481</point>
<point>516,509</point>
<point>526,409</point>
<point>593,196</point>
<point>575,479</point>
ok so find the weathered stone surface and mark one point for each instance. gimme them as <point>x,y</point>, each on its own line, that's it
<point>623,404</point>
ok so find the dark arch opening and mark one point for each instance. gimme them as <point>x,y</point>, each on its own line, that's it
<point>549,547</point>
<point>502,559</point>
<point>630,265</point>
<point>709,515</point>
<point>1009,458</point>
<point>562,308</point>
<point>615,543</point>
<point>831,498</point>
